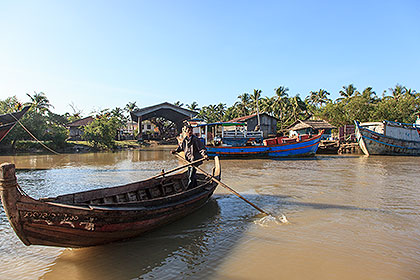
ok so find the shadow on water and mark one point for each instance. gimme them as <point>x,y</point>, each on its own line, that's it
<point>316,158</point>
<point>192,248</point>
<point>277,203</point>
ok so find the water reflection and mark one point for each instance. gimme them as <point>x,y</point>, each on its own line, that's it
<point>351,217</point>
<point>190,248</point>
<point>187,238</point>
<point>89,159</point>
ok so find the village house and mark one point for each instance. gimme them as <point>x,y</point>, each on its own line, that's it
<point>268,124</point>
<point>310,126</point>
<point>131,128</point>
<point>76,128</point>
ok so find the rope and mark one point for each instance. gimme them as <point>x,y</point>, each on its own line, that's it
<point>21,190</point>
<point>42,144</point>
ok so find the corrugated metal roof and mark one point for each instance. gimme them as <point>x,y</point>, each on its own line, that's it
<point>244,119</point>
<point>81,122</point>
<point>314,124</point>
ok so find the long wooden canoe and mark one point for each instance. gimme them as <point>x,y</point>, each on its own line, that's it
<point>103,215</point>
<point>8,121</point>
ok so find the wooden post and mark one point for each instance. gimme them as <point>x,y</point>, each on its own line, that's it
<point>139,137</point>
<point>205,133</point>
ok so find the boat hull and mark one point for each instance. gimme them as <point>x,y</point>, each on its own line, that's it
<point>8,121</point>
<point>50,225</point>
<point>299,149</point>
<point>373,143</point>
<point>104,215</point>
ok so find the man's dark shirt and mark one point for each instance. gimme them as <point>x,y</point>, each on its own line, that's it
<point>193,148</point>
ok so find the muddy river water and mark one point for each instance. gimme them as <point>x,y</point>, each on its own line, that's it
<point>351,217</point>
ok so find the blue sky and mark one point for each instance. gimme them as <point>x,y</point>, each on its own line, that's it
<point>104,54</point>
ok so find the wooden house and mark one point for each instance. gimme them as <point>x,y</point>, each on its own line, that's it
<point>268,124</point>
<point>76,128</point>
<point>311,127</point>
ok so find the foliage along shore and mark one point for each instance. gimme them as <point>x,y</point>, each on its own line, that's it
<point>398,104</point>
<point>69,147</point>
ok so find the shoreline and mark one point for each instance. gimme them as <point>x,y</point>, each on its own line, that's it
<point>29,148</point>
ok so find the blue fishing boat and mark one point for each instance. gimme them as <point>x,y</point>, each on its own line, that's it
<point>233,140</point>
<point>388,138</point>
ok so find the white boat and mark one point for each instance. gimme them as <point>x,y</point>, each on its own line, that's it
<point>388,138</point>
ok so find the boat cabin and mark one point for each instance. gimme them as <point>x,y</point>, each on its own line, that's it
<point>227,134</point>
<point>397,130</point>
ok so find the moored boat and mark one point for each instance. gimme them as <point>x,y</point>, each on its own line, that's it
<point>8,121</point>
<point>388,138</point>
<point>232,140</point>
<point>302,146</point>
<point>103,215</point>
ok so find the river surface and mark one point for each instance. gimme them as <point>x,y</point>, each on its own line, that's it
<point>350,217</point>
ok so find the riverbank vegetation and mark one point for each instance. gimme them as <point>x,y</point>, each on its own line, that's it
<point>398,104</point>
<point>50,129</point>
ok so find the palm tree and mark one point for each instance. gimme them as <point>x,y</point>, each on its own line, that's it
<point>39,102</point>
<point>193,106</point>
<point>179,104</point>
<point>130,107</point>
<point>369,94</point>
<point>348,91</point>
<point>243,105</point>
<point>281,92</point>
<point>297,107</point>
<point>411,92</point>
<point>267,105</point>
<point>318,98</point>
<point>255,97</point>
<point>281,101</point>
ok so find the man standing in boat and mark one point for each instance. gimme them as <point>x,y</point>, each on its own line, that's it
<point>194,150</point>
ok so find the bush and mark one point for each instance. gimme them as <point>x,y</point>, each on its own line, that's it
<point>102,131</point>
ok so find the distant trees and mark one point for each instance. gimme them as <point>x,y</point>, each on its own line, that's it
<point>39,102</point>
<point>193,106</point>
<point>179,104</point>
<point>130,107</point>
<point>43,124</point>
<point>286,109</point>
<point>101,133</point>
<point>400,105</point>
<point>213,113</point>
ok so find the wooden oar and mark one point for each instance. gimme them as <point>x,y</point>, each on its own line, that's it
<point>177,168</point>
<point>227,187</point>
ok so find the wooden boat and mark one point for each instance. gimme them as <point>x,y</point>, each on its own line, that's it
<point>8,121</point>
<point>232,140</point>
<point>103,215</point>
<point>388,138</point>
<point>304,145</point>
<point>328,147</point>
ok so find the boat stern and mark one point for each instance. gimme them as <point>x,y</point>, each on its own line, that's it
<point>359,138</point>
